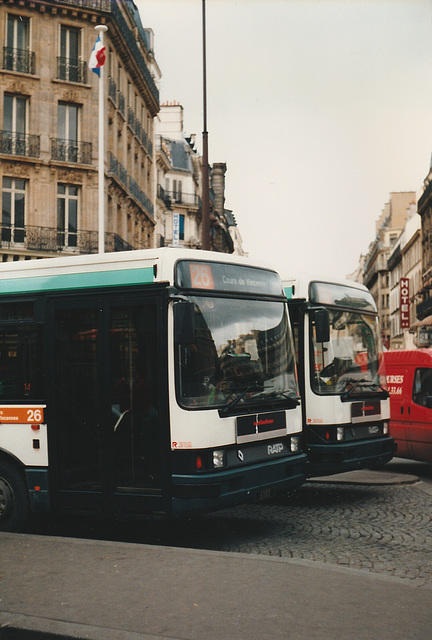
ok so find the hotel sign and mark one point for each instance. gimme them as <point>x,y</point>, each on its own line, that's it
<point>404,303</point>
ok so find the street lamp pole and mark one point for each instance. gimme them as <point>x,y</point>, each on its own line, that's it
<point>205,221</point>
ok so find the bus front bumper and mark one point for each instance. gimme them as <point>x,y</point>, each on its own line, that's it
<point>331,458</point>
<point>224,488</point>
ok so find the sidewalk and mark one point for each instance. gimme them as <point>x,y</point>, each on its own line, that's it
<point>52,588</point>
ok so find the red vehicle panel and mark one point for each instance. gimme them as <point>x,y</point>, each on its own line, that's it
<point>409,381</point>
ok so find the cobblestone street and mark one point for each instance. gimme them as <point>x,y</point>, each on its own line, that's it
<point>376,527</point>
<point>384,529</point>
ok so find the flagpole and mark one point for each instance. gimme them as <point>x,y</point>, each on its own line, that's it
<point>101,28</point>
<point>205,215</point>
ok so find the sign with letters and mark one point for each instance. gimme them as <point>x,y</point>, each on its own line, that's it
<point>176,228</point>
<point>404,303</point>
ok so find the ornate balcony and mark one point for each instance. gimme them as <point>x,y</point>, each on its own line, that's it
<point>71,150</point>
<point>164,196</point>
<point>190,199</point>
<point>52,240</point>
<point>18,60</point>
<point>71,70</point>
<point>20,144</point>
<point>131,187</point>
<point>100,5</point>
<point>118,170</point>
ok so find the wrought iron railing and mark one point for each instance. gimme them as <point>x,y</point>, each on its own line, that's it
<point>164,196</point>
<point>192,199</point>
<point>71,70</point>
<point>20,60</point>
<point>52,240</point>
<point>71,150</point>
<point>139,195</point>
<point>130,184</point>
<point>20,144</point>
<point>118,169</point>
<point>111,6</point>
<point>99,5</point>
<point>134,49</point>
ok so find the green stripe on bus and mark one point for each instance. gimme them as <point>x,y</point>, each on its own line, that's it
<point>87,280</point>
<point>288,292</point>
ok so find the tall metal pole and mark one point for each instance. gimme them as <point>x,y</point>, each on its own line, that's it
<point>100,28</point>
<point>205,222</point>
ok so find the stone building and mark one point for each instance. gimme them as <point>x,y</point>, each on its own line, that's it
<point>376,276</point>
<point>405,277</point>
<point>178,220</point>
<point>424,308</point>
<point>179,188</point>
<point>49,128</point>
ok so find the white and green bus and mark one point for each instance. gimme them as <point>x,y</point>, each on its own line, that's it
<point>345,402</point>
<point>146,382</point>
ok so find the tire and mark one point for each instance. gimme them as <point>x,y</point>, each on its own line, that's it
<point>14,502</point>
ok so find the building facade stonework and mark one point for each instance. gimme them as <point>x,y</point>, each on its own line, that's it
<point>49,128</point>
<point>376,275</point>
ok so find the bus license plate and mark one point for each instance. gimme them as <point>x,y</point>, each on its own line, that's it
<point>265,494</point>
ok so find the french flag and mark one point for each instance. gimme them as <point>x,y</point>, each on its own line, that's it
<point>97,57</point>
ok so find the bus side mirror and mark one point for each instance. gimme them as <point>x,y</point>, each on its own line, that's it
<point>322,325</point>
<point>184,322</point>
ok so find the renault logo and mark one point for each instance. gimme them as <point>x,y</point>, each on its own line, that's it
<point>240,455</point>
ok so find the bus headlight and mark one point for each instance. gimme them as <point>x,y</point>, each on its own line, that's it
<point>385,428</point>
<point>219,458</point>
<point>340,433</point>
<point>295,444</point>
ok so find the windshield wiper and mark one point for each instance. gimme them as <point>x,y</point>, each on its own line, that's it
<point>294,401</point>
<point>362,383</point>
<point>280,395</point>
<point>230,405</point>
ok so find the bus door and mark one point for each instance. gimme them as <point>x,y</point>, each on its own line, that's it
<point>106,385</point>
<point>132,383</point>
<point>77,446</point>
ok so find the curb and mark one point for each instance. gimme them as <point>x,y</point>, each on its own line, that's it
<point>363,477</point>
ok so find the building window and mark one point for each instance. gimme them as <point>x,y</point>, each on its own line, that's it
<point>67,215</point>
<point>14,125</point>
<point>13,210</point>
<point>181,226</point>
<point>16,54</point>
<point>20,360</point>
<point>67,132</point>
<point>177,190</point>
<point>70,65</point>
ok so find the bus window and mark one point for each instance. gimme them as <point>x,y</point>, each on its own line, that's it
<point>20,363</point>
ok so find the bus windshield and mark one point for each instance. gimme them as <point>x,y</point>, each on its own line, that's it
<point>349,363</point>
<point>241,350</point>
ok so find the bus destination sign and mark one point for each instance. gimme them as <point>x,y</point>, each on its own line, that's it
<point>215,276</point>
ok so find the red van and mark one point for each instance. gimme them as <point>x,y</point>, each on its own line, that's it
<point>409,381</point>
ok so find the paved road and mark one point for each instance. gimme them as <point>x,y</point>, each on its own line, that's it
<point>373,521</point>
<point>344,557</point>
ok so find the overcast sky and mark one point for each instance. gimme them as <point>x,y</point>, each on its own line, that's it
<point>320,109</point>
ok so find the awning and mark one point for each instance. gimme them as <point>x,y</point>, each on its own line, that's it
<point>426,322</point>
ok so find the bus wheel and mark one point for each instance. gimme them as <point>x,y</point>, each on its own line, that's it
<point>14,504</point>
